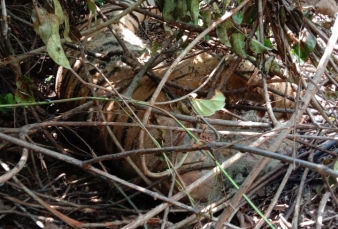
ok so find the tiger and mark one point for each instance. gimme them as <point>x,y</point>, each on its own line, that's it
<point>112,72</point>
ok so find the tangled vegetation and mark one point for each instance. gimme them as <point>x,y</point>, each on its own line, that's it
<point>264,128</point>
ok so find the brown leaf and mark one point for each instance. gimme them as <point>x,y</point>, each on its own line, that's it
<point>75,34</point>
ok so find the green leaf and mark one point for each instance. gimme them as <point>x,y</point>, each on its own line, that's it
<point>92,7</point>
<point>58,11</point>
<point>10,98</point>
<point>258,47</point>
<point>216,8</point>
<point>308,41</point>
<point>160,4</point>
<point>100,2</point>
<point>271,65</point>
<point>24,90</point>
<point>56,52</point>
<point>181,8</point>
<point>307,44</point>
<point>299,54</point>
<point>238,44</point>
<point>169,10</point>
<point>222,34</point>
<point>7,99</point>
<point>155,47</point>
<point>207,107</point>
<point>226,3</point>
<point>66,32</point>
<point>250,15</point>
<point>48,28</point>
<point>174,10</point>
<point>193,7</point>
<point>295,55</point>
<point>238,17</point>
<point>207,37</point>
<point>3,101</point>
<point>268,43</point>
<point>47,25</point>
<point>283,15</point>
<point>206,17</point>
<point>318,189</point>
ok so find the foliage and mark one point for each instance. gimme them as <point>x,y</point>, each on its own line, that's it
<point>92,7</point>
<point>238,34</point>
<point>6,99</point>
<point>208,107</point>
<point>238,44</point>
<point>305,46</point>
<point>47,24</point>
<point>24,90</point>
<point>221,31</point>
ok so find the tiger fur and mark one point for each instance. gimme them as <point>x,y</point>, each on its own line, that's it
<point>190,73</point>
